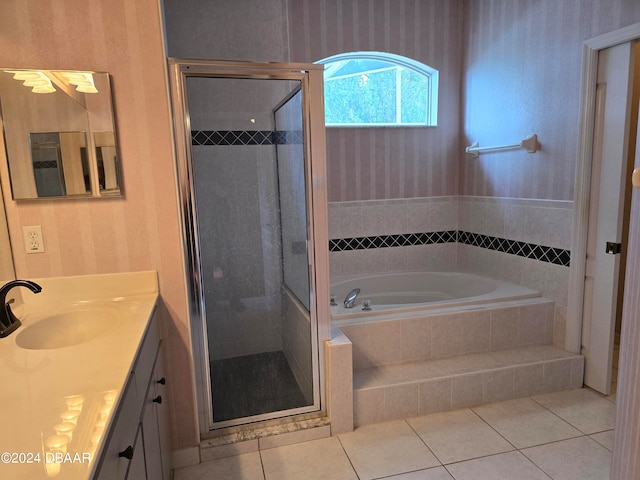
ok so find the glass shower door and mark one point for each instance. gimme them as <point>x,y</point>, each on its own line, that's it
<point>294,239</point>
<point>250,188</point>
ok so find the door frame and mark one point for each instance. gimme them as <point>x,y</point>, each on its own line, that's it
<point>311,76</point>
<point>590,50</point>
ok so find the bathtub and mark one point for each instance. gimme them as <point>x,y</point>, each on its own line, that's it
<point>408,292</point>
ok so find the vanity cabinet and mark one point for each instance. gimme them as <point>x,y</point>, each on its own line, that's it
<point>155,423</point>
<point>137,444</point>
<point>120,451</point>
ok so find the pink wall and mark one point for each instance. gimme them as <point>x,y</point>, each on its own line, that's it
<point>140,231</point>
<point>522,75</point>
<point>507,69</point>
<point>379,163</point>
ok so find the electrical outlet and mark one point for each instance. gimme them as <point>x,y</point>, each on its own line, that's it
<point>33,242</point>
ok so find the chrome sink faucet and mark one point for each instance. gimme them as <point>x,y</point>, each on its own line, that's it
<point>8,321</point>
<point>350,299</point>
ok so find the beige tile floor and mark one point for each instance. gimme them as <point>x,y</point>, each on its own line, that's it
<point>559,436</point>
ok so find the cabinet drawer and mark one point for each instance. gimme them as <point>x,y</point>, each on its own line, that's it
<point>137,468</point>
<point>152,447</point>
<point>123,435</point>
<point>146,358</point>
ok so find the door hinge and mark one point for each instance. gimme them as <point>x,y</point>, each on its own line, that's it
<point>613,248</point>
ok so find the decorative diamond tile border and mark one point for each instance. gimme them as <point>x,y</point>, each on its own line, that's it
<point>45,164</point>
<point>542,253</point>
<point>553,255</point>
<point>384,241</point>
<point>246,137</point>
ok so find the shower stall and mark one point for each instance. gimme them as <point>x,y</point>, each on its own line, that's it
<point>251,172</point>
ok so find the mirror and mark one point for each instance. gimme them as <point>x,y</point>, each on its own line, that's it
<point>7,271</point>
<point>59,133</point>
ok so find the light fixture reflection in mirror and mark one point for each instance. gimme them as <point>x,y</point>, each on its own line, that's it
<point>37,80</point>
<point>61,144</point>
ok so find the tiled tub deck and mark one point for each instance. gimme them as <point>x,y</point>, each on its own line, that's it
<point>448,360</point>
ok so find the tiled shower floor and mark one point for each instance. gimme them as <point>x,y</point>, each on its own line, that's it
<point>561,436</point>
<point>252,385</point>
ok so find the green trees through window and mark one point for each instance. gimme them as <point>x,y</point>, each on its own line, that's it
<point>379,89</point>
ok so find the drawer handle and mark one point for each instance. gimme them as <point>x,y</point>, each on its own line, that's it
<point>158,399</point>
<point>162,381</point>
<point>127,453</point>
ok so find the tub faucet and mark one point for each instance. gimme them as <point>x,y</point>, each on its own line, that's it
<point>350,299</point>
<point>8,321</point>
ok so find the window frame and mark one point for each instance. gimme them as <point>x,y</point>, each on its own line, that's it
<point>397,61</point>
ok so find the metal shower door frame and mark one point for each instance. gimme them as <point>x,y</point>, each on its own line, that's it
<point>311,79</point>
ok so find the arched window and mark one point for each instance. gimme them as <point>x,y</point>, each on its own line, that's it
<point>374,89</point>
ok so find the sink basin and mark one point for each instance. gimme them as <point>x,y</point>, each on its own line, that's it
<point>65,329</point>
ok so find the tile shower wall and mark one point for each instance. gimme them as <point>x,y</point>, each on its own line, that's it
<point>522,241</point>
<point>239,248</point>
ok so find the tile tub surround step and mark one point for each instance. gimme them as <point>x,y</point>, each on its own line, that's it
<point>428,335</point>
<point>428,386</point>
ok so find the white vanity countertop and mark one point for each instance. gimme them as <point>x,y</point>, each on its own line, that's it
<point>40,389</point>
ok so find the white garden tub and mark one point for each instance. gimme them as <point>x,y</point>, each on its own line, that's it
<point>401,292</point>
